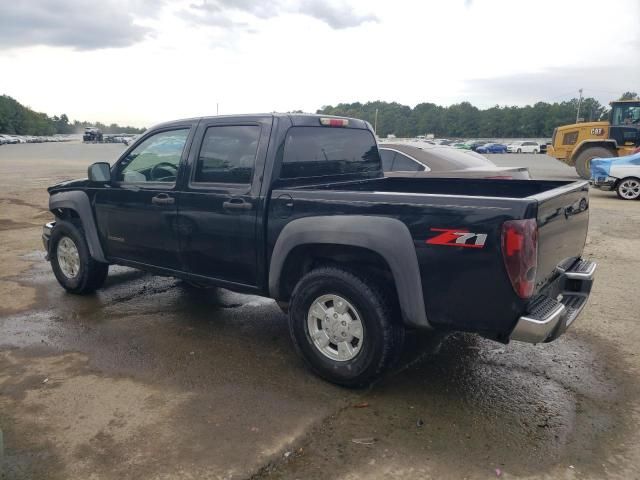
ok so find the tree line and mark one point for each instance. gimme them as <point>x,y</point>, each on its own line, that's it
<point>16,119</point>
<point>463,120</point>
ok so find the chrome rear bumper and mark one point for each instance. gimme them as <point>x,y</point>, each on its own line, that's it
<point>550,314</point>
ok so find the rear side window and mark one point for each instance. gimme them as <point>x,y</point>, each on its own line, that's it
<point>321,151</point>
<point>228,154</point>
<point>387,159</point>
<point>405,164</point>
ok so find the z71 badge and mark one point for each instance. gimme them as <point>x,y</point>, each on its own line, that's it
<point>457,237</point>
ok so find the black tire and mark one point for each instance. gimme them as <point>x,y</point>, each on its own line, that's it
<point>91,273</point>
<point>583,160</point>
<point>535,151</point>
<point>519,150</point>
<point>383,333</point>
<point>628,188</point>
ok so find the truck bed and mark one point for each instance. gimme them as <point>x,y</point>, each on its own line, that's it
<point>481,206</point>
<point>449,186</point>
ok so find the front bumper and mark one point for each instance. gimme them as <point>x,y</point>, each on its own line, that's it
<point>603,183</point>
<point>550,313</point>
<point>46,236</point>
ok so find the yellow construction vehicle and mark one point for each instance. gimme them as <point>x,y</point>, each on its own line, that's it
<point>577,144</point>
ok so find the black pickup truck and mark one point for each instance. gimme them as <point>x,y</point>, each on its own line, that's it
<point>296,208</point>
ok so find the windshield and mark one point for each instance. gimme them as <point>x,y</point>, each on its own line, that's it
<point>625,114</point>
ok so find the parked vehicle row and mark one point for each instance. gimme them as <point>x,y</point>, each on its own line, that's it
<point>490,146</point>
<point>15,139</point>
<point>95,135</point>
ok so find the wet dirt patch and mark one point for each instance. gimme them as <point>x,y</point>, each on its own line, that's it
<point>20,202</point>
<point>8,224</point>
<point>473,407</point>
<point>59,405</point>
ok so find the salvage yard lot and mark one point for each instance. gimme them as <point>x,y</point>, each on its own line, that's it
<point>150,378</point>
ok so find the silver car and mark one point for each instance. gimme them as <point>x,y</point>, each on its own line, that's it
<point>405,160</point>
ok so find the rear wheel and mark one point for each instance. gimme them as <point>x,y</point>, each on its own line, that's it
<point>343,326</point>
<point>71,262</point>
<point>535,151</point>
<point>628,188</point>
<point>583,160</point>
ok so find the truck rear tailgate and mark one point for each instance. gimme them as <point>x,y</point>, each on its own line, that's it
<point>563,220</point>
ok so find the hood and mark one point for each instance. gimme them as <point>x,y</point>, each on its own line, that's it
<point>68,184</point>
<point>583,125</point>
<point>601,167</point>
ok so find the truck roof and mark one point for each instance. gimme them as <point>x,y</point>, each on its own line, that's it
<point>297,119</point>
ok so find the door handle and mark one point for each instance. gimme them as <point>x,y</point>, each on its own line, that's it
<point>237,204</point>
<point>163,199</point>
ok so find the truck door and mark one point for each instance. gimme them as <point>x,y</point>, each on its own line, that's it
<point>218,205</point>
<point>136,214</point>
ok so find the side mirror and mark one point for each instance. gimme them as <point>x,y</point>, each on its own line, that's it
<point>100,172</point>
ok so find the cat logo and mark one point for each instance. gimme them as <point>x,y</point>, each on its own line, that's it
<point>597,131</point>
<point>457,237</point>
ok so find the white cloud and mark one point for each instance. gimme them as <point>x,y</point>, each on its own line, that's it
<point>182,57</point>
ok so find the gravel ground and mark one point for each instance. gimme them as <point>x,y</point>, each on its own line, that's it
<point>151,379</point>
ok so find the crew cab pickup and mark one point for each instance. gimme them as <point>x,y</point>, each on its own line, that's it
<point>297,208</point>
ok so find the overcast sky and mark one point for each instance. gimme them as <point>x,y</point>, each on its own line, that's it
<point>144,61</point>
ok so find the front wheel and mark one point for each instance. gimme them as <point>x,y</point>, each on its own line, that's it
<point>71,261</point>
<point>583,160</point>
<point>344,326</point>
<point>535,151</point>
<point>519,150</point>
<point>628,188</point>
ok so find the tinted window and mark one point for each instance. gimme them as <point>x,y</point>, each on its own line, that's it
<point>318,151</point>
<point>156,159</point>
<point>228,154</point>
<point>387,159</point>
<point>403,163</point>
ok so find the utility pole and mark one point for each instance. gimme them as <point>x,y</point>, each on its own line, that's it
<point>375,123</point>
<point>579,103</point>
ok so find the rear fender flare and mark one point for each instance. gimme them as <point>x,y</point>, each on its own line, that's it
<point>79,202</point>
<point>388,237</point>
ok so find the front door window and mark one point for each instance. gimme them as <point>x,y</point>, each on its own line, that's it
<point>156,159</point>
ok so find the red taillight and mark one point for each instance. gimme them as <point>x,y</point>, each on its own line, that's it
<point>334,122</point>
<point>520,254</point>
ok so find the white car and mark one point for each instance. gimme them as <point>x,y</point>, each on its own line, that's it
<point>9,139</point>
<point>523,147</point>
<point>621,174</point>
